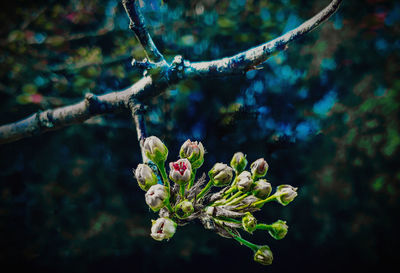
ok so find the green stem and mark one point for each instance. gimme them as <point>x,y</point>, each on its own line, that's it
<point>233,187</point>
<point>166,184</point>
<point>263,226</point>
<point>242,207</point>
<point>191,182</point>
<point>243,241</point>
<point>262,202</point>
<point>237,200</point>
<point>205,190</point>
<point>164,176</point>
<point>182,191</point>
<point>168,205</point>
<point>232,197</point>
<point>227,219</point>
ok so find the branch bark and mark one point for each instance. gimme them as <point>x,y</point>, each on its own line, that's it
<point>249,59</point>
<point>137,110</point>
<point>157,81</point>
<point>137,24</point>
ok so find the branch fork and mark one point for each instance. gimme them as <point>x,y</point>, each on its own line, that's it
<point>158,76</point>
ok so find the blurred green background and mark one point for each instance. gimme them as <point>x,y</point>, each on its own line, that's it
<point>324,114</point>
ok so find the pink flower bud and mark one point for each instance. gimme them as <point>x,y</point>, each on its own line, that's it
<point>194,152</point>
<point>180,171</point>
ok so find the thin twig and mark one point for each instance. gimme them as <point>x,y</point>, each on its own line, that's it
<point>139,120</point>
<point>249,59</point>
<point>137,24</point>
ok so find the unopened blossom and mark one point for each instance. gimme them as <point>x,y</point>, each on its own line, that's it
<point>155,150</point>
<point>180,171</point>
<point>249,222</point>
<point>145,176</point>
<point>194,152</point>
<point>244,181</point>
<point>221,174</point>
<point>156,196</point>
<point>163,228</point>
<point>262,188</point>
<point>184,209</point>
<point>239,162</point>
<point>263,255</point>
<point>285,194</point>
<point>278,230</point>
<point>259,168</point>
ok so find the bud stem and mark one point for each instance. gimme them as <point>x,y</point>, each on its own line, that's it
<point>168,205</point>
<point>233,187</point>
<point>263,227</point>
<point>243,241</point>
<point>163,173</point>
<point>192,178</point>
<point>227,219</point>
<point>237,200</point>
<point>260,203</point>
<point>205,190</point>
<point>182,191</point>
<point>228,200</point>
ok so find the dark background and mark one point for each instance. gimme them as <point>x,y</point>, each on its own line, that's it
<point>324,114</point>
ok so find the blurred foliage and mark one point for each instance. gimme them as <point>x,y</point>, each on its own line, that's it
<point>325,112</point>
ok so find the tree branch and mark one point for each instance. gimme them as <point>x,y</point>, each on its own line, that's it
<point>156,82</point>
<point>138,118</point>
<point>138,25</point>
<point>249,59</point>
<point>57,118</point>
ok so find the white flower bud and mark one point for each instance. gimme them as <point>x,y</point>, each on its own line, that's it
<point>163,228</point>
<point>180,171</point>
<point>194,152</point>
<point>259,168</point>
<point>239,162</point>
<point>156,196</point>
<point>145,177</point>
<point>244,181</point>
<point>155,150</point>
<point>285,194</point>
<point>221,174</point>
<point>262,189</point>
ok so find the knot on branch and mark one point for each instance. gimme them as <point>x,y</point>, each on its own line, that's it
<point>136,107</point>
<point>45,119</point>
<point>150,68</point>
<point>93,104</point>
<point>178,66</point>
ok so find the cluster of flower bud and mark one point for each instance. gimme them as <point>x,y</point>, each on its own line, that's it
<point>244,192</point>
<point>156,183</point>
